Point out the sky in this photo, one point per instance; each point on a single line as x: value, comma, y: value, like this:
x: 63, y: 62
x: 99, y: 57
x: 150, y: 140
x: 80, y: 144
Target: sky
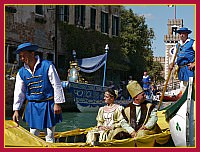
x: 157, y: 18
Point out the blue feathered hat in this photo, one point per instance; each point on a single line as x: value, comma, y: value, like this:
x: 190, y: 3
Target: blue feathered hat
x: 184, y: 29
x: 26, y: 47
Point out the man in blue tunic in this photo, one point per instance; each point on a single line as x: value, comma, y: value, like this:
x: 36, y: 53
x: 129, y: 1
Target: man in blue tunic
x: 38, y: 83
x: 185, y: 57
x: 146, y: 80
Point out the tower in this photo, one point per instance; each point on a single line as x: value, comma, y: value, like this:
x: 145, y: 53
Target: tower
x: 171, y: 40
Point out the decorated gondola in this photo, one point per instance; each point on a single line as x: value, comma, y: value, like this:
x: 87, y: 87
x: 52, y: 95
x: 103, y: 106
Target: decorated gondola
x: 20, y: 137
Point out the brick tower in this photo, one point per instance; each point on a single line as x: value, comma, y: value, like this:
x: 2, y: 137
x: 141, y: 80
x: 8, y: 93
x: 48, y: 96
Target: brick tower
x: 170, y: 41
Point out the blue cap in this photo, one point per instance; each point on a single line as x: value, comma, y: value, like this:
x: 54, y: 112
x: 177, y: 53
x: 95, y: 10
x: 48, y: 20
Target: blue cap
x: 184, y: 29
x: 26, y: 47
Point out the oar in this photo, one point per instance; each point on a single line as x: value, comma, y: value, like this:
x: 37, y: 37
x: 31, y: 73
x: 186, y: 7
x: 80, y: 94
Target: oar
x: 170, y: 71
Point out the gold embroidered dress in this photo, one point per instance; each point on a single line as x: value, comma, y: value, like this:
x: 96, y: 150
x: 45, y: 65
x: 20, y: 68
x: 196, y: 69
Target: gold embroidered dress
x: 108, y: 116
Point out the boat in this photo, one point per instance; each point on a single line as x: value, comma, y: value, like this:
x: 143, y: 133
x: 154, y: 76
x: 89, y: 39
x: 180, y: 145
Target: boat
x: 17, y: 136
x: 180, y: 116
x: 170, y: 98
x: 177, y: 130
x: 87, y: 97
x: 173, y: 95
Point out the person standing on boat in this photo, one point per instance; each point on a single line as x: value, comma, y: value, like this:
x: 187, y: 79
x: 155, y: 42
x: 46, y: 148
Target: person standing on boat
x: 146, y: 81
x: 185, y: 59
x: 140, y: 114
x: 109, y: 119
x: 38, y: 83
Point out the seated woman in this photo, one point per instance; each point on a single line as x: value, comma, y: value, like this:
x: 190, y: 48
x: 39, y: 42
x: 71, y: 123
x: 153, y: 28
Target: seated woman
x: 109, y: 120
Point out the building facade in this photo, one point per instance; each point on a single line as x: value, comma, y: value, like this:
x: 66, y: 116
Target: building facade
x: 38, y: 24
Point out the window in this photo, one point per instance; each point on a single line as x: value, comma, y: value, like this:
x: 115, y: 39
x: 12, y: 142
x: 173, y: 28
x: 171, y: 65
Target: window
x: 10, y: 54
x: 64, y: 13
x: 80, y: 15
x: 104, y: 22
x: 92, y: 18
x: 39, y: 9
x: 174, y: 30
x: 115, y: 25
x: 10, y: 9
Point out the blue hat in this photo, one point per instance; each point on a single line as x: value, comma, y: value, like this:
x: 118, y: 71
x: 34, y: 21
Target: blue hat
x: 184, y: 29
x: 26, y: 47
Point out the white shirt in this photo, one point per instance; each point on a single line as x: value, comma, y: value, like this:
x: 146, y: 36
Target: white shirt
x: 153, y: 116
x: 138, y: 112
x: 19, y: 92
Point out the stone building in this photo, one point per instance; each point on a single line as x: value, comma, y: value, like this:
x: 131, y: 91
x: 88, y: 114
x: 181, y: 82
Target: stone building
x: 38, y: 25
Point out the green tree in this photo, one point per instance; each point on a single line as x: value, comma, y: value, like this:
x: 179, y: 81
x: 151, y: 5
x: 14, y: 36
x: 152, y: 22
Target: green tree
x: 155, y: 72
x: 136, y: 42
x: 89, y: 43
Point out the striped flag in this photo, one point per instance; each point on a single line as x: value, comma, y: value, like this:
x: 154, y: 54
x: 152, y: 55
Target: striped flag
x: 170, y: 5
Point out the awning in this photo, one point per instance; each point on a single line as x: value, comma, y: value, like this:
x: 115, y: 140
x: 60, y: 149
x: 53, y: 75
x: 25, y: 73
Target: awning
x: 92, y: 64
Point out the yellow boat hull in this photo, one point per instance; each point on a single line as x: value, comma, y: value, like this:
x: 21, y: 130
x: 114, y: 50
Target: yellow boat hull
x: 20, y: 137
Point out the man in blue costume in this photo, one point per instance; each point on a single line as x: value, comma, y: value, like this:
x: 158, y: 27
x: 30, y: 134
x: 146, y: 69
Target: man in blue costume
x: 38, y: 83
x: 185, y: 57
x: 146, y: 80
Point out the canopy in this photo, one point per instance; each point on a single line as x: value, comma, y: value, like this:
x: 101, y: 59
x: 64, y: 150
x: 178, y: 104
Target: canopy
x: 92, y: 64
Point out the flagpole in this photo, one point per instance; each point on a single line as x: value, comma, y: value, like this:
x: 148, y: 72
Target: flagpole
x: 174, y: 11
x: 104, y: 74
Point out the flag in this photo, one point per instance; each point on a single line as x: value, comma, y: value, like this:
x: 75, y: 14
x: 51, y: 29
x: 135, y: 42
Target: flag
x: 170, y: 5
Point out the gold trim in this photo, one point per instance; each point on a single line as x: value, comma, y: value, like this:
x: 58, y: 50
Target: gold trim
x: 36, y: 87
x: 34, y: 82
x: 37, y: 76
x: 36, y: 92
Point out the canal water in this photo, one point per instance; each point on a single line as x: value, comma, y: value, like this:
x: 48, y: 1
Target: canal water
x: 74, y: 120
x: 71, y: 120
